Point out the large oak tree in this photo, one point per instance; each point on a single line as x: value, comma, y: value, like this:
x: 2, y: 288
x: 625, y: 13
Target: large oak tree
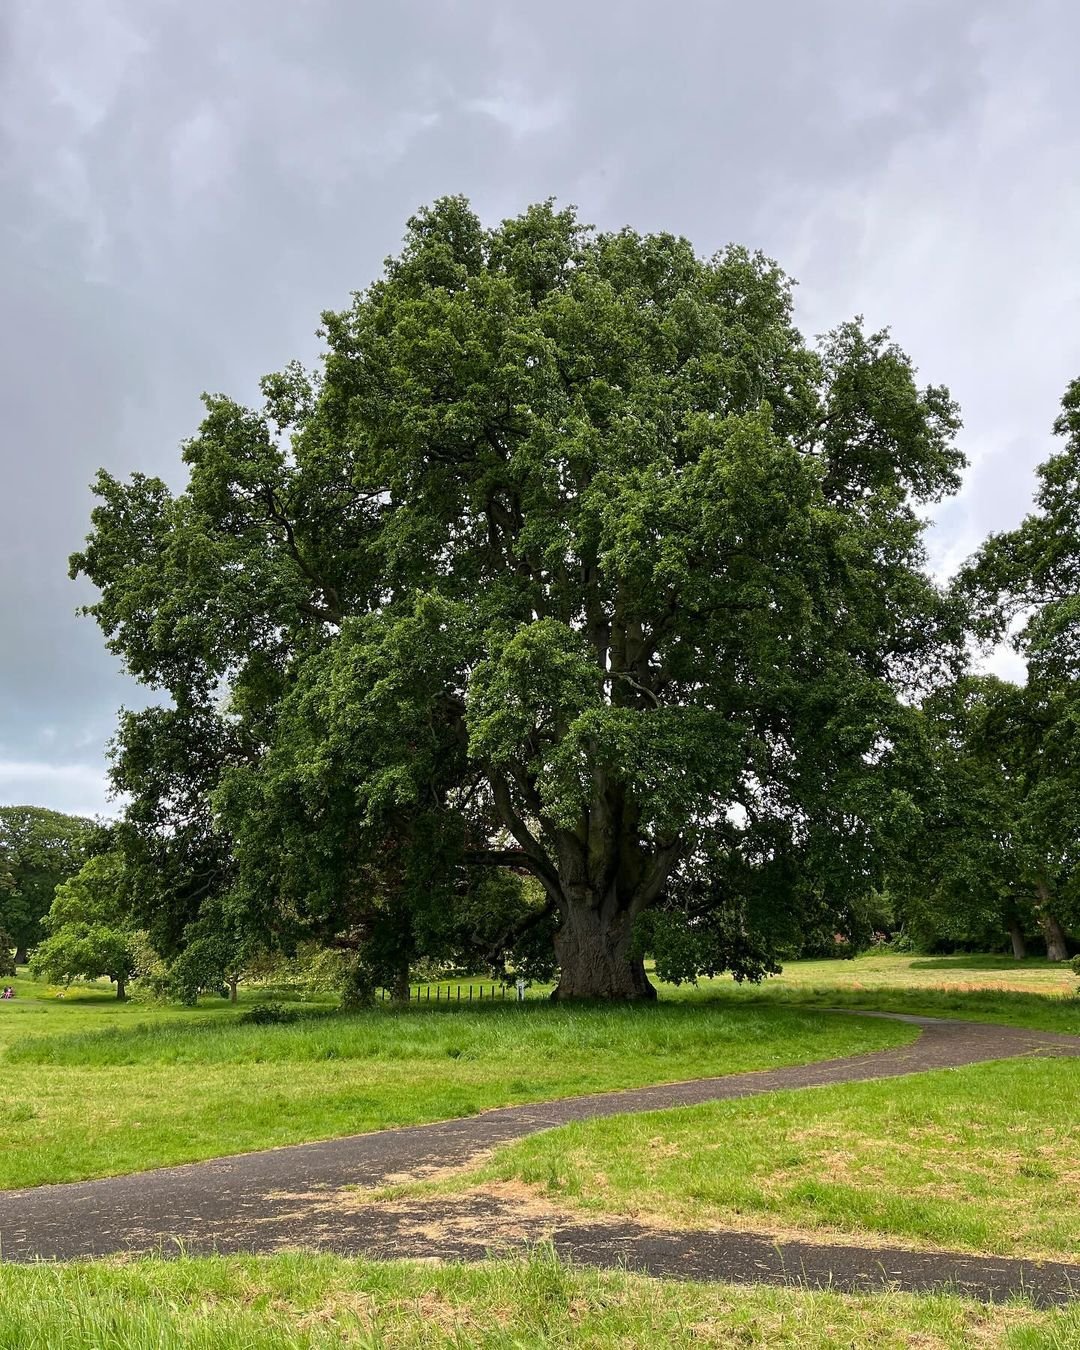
x: 573, y: 557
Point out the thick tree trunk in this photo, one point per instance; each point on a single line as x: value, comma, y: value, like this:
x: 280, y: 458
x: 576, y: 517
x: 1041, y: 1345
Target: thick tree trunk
x: 1057, y: 944
x: 232, y: 988
x: 600, y: 875
x: 1016, y: 936
x: 121, y: 989
x: 21, y: 956
x: 595, y: 957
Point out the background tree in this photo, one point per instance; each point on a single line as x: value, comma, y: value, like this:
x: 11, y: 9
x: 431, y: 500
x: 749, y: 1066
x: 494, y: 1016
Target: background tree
x: 7, y: 942
x: 7, y: 956
x: 1027, y: 581
x: 38, y: 850
x: 964, y: 876
x: 502, y: 923
x: 572, y: 550
x: 208, y: 963
x: 87, y: 936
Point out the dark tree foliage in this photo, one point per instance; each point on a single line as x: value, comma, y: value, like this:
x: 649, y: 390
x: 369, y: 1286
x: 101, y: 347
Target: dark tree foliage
x: 1027, y: 582
x: 7, y: 953
x: 86, y: 931
x: 574, y: 559
x: 974, y: 872
x: 1031, y: 575
x: 39, y: 849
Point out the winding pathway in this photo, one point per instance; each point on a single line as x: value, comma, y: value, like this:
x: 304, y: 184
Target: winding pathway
x: 310, y: 1195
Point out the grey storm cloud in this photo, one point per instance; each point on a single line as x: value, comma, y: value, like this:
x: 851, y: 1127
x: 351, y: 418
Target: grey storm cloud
x: 185, y: 186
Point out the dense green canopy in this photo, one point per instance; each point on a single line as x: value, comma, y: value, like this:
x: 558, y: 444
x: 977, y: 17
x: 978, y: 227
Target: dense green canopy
x: 976, y: 869
x: 573, y: 558
x: 87, y: 936
x: 1027, y: 582
x: 1028, y: 579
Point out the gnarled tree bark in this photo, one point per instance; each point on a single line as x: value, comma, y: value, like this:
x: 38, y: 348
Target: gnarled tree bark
x: 1057, y: 944
x: 594, y: 948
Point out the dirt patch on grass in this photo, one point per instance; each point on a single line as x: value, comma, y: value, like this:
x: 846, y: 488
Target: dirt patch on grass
x: 500, y: 1214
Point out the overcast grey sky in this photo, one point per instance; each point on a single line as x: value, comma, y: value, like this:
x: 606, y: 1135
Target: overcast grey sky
x: 185, y: 184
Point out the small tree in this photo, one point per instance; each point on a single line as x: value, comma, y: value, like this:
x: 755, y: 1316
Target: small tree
x: 87, y: 935
x: 217, y: 954
x: 86, y: 951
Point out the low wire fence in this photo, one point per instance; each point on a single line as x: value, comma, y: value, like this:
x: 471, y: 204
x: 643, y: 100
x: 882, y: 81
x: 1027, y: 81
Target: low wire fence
x: 452, y: 992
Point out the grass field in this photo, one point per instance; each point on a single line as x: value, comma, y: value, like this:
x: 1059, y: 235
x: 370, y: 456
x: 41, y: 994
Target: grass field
x: 303, y: 1302
x: 153, y: 1087
x: 963, y: 973
x: 1032, y: 993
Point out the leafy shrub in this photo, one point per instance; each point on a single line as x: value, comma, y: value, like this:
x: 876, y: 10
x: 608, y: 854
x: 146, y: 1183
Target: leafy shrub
x: 268, y: 1014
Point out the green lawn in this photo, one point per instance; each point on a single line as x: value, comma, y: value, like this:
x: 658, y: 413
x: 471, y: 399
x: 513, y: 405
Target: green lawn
x: 48, y: 1010
x: 303, y: 1302
x: 1032, y: 993
x: 153, y: 1087
x: 981, y: 1159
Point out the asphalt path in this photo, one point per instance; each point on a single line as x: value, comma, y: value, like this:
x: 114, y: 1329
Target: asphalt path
x: 312, y: 1195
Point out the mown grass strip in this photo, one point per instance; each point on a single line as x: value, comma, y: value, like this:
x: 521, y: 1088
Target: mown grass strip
x: 1033, y: 993
x: 305, y: 1302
